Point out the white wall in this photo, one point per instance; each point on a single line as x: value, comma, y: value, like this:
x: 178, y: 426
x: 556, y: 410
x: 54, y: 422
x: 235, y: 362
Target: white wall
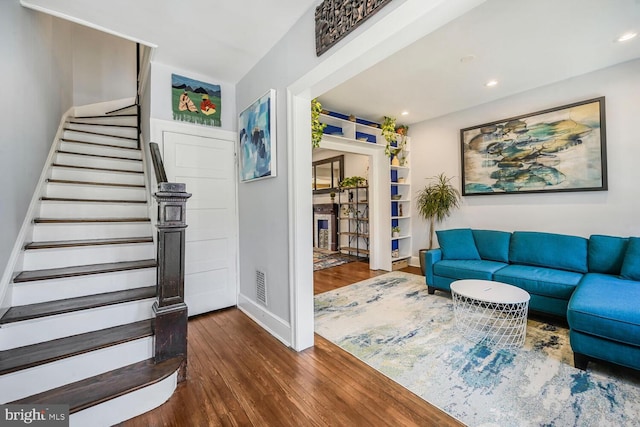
x: 104, y: 66
x: 436, y: 149
x: 270, y: 228
x: 36, y: 75
x: 161, y: 94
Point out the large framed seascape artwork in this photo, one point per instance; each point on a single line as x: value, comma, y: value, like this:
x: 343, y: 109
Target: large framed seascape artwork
x: 555, y: 150
x: 257, y: 138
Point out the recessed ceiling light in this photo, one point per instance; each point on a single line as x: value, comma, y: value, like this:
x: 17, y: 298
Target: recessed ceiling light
x: 405, y: 113
x: 626, y: 37
x: 491, y: 83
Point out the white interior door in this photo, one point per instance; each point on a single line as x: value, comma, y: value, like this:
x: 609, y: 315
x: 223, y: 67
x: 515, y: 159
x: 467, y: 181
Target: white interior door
x: 207, y: 166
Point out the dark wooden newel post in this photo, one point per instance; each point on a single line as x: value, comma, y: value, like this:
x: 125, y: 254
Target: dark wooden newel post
x: 170, y: 309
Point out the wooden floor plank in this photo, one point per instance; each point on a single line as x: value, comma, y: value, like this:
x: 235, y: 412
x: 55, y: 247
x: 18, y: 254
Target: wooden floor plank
x: 239, y: 374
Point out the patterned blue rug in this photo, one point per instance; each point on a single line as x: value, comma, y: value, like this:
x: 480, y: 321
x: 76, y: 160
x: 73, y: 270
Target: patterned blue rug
x: 393, y: 325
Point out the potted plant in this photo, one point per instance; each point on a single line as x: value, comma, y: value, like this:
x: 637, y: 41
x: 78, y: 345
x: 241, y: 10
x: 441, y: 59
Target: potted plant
x: 435, y: 202
x: 395, y: 231
x: 352, y: 181
x: 317, y: 128
x: 400, y: 151
x: 333, y: 196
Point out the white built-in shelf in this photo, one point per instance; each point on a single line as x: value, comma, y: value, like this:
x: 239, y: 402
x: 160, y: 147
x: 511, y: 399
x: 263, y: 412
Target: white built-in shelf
x: 408, y: 236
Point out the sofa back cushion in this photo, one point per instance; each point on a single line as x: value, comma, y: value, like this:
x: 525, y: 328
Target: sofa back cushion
x: 606, y: 254
x: 457, y: 244
x: 631, y: 264
x: 549, y: 250
x: 492, y: 245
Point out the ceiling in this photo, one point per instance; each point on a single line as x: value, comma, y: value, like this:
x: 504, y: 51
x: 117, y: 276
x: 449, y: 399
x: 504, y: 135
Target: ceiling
x: 221, y: 38
x: 523, y: 44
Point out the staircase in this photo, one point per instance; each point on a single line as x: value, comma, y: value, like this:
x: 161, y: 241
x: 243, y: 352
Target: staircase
x: 80, y: 330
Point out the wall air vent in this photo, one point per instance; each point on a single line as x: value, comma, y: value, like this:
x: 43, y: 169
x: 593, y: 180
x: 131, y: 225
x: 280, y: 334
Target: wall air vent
x: 261, y: 287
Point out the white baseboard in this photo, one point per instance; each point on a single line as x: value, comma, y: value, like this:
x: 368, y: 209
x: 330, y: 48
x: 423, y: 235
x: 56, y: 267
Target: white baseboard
x: 414, y: 261
x: 273, y: 324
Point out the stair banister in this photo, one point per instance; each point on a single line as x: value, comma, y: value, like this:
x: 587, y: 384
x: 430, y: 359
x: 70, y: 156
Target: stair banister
x: 169, y: 308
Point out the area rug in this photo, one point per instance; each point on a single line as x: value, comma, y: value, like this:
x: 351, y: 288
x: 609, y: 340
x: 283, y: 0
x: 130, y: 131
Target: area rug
x: 323, y: 258
x: 391, y: 323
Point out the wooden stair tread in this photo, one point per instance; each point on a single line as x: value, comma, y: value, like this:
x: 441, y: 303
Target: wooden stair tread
x: 128, y: 138
x: 16, y: 359
x: 81, y: 270
x: 87, y: 220
x: 104, y: 184
x: 110, y: 113
x: 43, y: 309
x: 91, y: 242
x: 68, y: 199
x: 60, y: 165
x: 102, y: 124
x: 76, y: 141
x: 104, y: 387
x: 73, y: 153
x: 105, y: 117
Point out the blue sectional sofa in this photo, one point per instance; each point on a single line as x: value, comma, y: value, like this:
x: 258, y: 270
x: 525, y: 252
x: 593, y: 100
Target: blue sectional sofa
x: 593, y: 283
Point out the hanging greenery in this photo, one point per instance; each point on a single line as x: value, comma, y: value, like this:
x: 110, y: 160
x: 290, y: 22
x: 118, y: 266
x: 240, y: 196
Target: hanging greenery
x: 389, y: 134
x: 317, y: 128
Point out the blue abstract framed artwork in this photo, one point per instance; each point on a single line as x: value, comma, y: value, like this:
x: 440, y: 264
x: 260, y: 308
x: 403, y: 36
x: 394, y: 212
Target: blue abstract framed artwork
x: 257, y: 137
x: 556, y: 150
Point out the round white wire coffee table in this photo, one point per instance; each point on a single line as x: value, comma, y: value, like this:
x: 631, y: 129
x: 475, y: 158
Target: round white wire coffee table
x: 490, y: 312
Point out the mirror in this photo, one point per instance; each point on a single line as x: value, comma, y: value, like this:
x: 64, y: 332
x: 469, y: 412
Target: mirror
x: 327, y: 174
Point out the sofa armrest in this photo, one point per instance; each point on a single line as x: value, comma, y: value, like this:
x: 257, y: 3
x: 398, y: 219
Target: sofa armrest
x: 430, y: 258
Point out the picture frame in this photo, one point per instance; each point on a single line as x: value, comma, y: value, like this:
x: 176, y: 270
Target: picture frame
x: 257, y: 139
x: 559, y: 149
x: 194, y: 101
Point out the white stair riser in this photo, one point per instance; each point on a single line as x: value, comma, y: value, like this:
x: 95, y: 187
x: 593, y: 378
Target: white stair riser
x: 130, y: 405
x: 39, y: 259
x: 49, y: 209
x: 49, y: 290
x: 95, y: 192
x: 72, y: 174
x: 48, y: 328
x: 77, y: 231
x: 99, y: 150
x: 99, y: 139
x: 98, y: 162
x: 35, y: 380
x: 110, y: 120
x: 109, y: 130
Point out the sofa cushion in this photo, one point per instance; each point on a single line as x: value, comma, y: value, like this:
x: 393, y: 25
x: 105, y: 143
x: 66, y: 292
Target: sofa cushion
x: 606, y: 306
x: 606, y: 254
x: 467, y: 269
x: 557, y: 251
x: 540, y: 280
x: 492, y: 245
x: 457, y: 244
x: 631, y: 264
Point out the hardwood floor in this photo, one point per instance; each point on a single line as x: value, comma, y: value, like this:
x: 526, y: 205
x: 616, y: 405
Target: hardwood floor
x: 238, y: 374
